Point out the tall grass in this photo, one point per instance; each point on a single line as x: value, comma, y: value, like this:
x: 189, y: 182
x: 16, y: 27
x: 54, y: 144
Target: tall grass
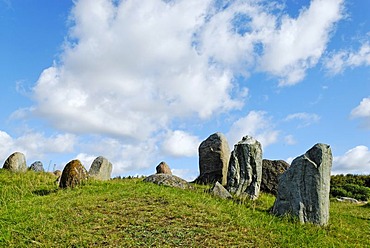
x: 131, y: 213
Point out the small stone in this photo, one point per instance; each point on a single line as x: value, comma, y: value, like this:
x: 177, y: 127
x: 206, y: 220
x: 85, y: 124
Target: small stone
x: 168, y: 180
x: 163, y: 168
x: 219, y: 191
x: 37, y: 166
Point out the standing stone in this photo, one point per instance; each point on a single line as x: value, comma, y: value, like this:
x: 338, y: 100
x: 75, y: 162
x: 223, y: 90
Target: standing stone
x: 163, y: 168
x: 16, y: 162
x: 303, y: 189
x: 37, y: 167
x: 101, y: 169
x: 214, y: 155
x: 271, y: 171
x: 74, y: 173
x: 245, y: 168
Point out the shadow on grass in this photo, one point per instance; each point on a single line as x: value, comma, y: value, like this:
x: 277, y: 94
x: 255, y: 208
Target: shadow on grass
x: 43, y: 192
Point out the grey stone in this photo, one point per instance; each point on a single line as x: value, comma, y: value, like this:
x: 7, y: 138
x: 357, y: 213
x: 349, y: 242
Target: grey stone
x: 303, y: 190
x: 74, y: 173
x: 163, y: 168
x: 101, y: 169
x: 214, y: 155
x: 245, y: 168
x: 271, y: 170
x: 16, y: 162
x: 219, y: 191
x: 347, y: 199
x: 168, y: 180
x: 37, y: 166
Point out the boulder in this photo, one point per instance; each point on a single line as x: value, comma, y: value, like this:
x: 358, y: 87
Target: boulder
x: 16, y: 162
x: 163, y: 168
x: 101, y: 169
x: 219, y: 191
x: 74, y: 173
x: 168, y: 180
x: 271, y: 171
x: 37, y: 166
x: 303, y: 189
x: 214, y: 155
x: 245, y: 168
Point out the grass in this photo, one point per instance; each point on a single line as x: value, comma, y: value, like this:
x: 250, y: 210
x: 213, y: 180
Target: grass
x: 131, y: 213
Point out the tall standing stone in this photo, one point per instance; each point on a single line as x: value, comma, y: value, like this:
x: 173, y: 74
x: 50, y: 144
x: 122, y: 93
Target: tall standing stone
x: 303, y: 189
x: 214, y: 154
x: 16, y: 162
x: 245, y: 168
x: 101, y: 169
x: 271, y: 171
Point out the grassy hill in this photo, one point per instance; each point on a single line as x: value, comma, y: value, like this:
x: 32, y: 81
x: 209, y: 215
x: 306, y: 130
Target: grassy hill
x: 131, y: 213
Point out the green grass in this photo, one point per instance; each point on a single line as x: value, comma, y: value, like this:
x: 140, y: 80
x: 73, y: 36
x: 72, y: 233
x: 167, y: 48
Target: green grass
x: 131, y: 213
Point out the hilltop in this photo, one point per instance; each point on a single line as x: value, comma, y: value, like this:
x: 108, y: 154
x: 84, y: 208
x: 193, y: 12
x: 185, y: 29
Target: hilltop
x: 132, y: 213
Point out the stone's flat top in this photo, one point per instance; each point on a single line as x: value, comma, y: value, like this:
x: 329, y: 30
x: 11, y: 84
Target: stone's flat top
x: 248, y: 140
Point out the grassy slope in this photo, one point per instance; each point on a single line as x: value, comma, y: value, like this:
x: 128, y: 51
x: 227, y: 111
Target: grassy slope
x: 131, y: 213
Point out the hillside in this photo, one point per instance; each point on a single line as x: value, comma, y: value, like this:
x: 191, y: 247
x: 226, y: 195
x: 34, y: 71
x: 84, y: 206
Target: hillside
x: 131, y: 213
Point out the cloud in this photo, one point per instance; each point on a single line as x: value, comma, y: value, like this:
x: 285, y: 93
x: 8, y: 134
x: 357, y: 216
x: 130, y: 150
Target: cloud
x: 125, y: 157
x: 129, y: 70
x: 354, y: 161
x: 36, y: 145
x: 363, y: 111
x: 297, y: 44
x: 256, y: 124
x: 180, y: 144
x: 337, y: 62
x: 122, y: 74
x: 306, y: 119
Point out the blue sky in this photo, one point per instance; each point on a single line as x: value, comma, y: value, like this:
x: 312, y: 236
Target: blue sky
x: 141, y: 82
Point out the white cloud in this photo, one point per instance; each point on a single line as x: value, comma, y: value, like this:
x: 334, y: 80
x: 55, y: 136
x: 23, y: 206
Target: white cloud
x: 298, y: 43
x: 130, y: 69
x: 86, y: 159
x: 256, y: 124
x: 124, y: 156
x: 363, y: 111
x: 339, y: 61
x: 306, y: 119
x: 289, y: 160
x: 354, y: 161
x: 36, y: 145
x: 180, y: 144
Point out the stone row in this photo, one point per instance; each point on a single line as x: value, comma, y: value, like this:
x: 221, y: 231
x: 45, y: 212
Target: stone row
x: 74, y: 172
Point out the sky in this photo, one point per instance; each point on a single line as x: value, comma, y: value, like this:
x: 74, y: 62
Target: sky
x: 140, y: 82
